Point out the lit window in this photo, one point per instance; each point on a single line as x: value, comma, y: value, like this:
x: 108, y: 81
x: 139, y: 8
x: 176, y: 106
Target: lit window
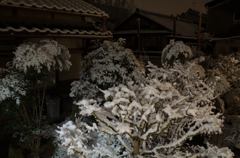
x: 237, y: 15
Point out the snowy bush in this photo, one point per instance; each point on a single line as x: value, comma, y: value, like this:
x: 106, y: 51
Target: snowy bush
x: 108, y: 66
x: 151, y: 119
x: 12, y: 86
x: 228, y: 66
x: 39, y: 56
x: 175, y: 51
x: 233, y: 139
x: 229, y: 69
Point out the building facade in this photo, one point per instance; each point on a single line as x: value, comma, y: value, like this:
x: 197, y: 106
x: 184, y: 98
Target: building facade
x: 23, y: 21
x: 224, y: 22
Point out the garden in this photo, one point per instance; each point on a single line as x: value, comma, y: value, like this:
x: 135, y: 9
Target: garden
x: 125, y: 108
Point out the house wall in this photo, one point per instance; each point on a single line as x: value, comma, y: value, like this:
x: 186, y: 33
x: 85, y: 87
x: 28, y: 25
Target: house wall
x: 153, y: 42
x: 33, y: 14
x: 145, y: 24
x: 227, y: 46
x: 220, y: 19
x: 74, y: 46
x: 7, y: 47
x: 5, y: 12
x: 21, y: 15
x: 149, y: 41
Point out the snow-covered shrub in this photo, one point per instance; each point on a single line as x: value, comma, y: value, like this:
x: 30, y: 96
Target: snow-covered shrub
x: 233, y: 139
x: 222, y: 85
x: 46, y: 55
x: 12, y: 86
x: 151, y: 119
x: 175, y: 51
x: 228, y: 67
x: 108, y: 66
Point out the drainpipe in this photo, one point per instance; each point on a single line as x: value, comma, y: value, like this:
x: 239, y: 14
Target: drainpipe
x: 199, y: 31
x: 139, y: 40
x: 207, y: 19
x: 174, y: 19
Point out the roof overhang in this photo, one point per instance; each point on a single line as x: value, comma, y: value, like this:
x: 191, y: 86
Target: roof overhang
x: 224, y: 38
x: 142, y: 32
x: 55, y: 36
x: 213, y: 3
x: 183, y: 37
x: 53, y: 11
x: 35, y: 32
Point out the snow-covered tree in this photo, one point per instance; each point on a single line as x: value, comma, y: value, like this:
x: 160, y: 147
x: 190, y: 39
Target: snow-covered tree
x: 108, y: 66
x: 41, y: 58
x: 105, y: 67
x: 151, y: 119
x: 32, y: 66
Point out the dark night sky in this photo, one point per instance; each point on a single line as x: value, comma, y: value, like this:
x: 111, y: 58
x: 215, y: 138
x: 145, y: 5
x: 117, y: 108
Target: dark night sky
x: 171, y: 6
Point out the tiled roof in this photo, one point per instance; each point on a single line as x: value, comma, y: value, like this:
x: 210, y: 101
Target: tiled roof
x: 53, y: 31
x: 193, y: 16
x: 78, y: 6
x: 213, y: 3
x: 37, y: 29
x: 183, y: 28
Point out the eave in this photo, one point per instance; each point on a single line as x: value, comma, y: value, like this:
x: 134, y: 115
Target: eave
x: 53, y: 11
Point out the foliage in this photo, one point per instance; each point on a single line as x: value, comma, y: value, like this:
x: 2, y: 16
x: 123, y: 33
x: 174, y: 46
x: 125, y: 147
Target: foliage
x: 108, y: 66
x: 153, y: 118
x: 205, y: 44
x: 175, y: 51
x: 228, y: 68
x: 233, y: 140
x: 39, y: 56
x: 31, y: 67
x: 11, y: 86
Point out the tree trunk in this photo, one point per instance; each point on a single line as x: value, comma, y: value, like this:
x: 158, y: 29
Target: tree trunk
x: 136, y: 147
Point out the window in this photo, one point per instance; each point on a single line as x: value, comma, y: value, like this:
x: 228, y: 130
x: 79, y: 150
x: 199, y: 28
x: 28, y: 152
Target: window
x: 237, y: 15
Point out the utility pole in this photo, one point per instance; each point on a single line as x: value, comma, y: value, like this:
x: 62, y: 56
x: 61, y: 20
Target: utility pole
x: 194, y: 4
x: 199, y: 31
x: 139, y: 40
x: 174, y: 19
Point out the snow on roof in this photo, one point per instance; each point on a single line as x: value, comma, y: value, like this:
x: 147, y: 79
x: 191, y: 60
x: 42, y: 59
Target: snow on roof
x: 78, y: 6
x: 53, y: 31
x: 141, y: 31
x: 182, y: 27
